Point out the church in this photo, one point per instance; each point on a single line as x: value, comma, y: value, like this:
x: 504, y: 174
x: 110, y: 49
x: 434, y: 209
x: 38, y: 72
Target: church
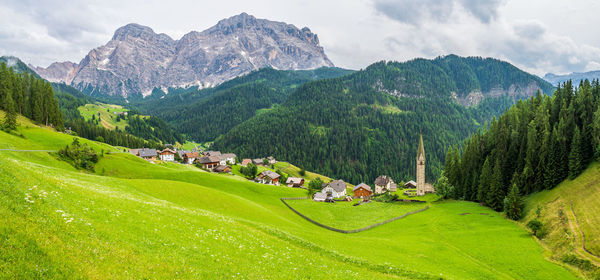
x: 422, y: 187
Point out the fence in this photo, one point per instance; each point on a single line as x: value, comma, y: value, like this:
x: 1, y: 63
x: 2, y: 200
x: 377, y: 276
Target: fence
x: 283, y: 199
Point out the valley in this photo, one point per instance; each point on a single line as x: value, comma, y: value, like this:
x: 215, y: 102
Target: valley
x: 121, y: 224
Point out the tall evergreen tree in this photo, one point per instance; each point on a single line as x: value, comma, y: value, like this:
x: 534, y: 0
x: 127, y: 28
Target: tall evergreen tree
x: 576, y: 164
x: 484, y: 181
x: 513, y: 204
x: 495, y: 195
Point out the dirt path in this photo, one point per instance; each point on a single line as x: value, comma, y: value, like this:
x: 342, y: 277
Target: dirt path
x: 575, y: 228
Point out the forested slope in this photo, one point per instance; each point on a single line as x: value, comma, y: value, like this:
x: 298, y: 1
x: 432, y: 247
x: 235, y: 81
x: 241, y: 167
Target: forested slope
x: 366, y: 124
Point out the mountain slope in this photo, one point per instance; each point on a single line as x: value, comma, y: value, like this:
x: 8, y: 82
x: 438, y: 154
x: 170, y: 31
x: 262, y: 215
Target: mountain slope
x: 208, y: 113
x: 367, y: 124
x: 136, y: 60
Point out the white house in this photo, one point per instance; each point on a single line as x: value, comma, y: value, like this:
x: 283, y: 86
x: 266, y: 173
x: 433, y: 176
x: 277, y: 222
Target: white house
x: 227, y: 159
x: 167, y: 155
x: 336, y: 188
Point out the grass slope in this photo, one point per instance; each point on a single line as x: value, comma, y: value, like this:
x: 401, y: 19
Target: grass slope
x: 580, y: 199
x: 108, y: 118
x: 145, y: 220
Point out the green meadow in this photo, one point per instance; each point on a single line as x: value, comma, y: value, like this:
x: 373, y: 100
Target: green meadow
x: 134, y: 219
x: 106, y: 113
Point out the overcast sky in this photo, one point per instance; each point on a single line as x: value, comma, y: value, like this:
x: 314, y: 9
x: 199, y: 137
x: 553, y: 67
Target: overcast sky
x: 539, y: 36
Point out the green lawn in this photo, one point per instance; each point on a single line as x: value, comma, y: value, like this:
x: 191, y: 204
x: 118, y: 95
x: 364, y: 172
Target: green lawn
x: 344, y: 215
x: 106, y: 113
x: 144, y: 220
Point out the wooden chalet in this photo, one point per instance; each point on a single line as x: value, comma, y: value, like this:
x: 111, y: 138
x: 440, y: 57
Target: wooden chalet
x: 167, y: 155
x: 268, y: 177
x: 147, y: 154
x: 222, y: 169
x: 410, y: 185
x: 190, y: 157
x: 246, y: 161
x: 209, y: 162
x: 362, y: 190
x: 295, y: 182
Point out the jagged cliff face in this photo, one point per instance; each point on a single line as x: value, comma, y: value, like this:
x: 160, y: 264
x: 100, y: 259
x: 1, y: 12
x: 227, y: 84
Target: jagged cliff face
x: 57, y: 72
x: 137, y: 60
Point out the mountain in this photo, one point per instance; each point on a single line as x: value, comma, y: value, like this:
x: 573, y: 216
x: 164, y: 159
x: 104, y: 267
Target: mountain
x: 18, y: 65
x: 57, y: 72
x: 575, y: 77
x: 366, y: 124
x: 137, y: 60
x: 205, y: 114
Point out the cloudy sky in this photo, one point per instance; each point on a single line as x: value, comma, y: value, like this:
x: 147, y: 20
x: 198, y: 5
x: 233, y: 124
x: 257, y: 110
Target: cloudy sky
x: 539, y: 36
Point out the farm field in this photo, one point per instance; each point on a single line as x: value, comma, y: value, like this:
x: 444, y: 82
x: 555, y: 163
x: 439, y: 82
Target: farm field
x: 106, y: 114
x: 143, y: 220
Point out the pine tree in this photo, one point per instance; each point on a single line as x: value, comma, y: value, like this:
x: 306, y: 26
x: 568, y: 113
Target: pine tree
x: 10, y: 122
x: 484, y: 181
x: 576, y: 164
x: 495, y: 195
x: 513, y: 204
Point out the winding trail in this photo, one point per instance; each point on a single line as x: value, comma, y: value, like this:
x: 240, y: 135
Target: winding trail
x: 578, y: 231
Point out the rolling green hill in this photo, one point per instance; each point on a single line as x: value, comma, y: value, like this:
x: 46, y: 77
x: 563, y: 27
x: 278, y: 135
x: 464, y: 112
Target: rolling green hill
x: 366, y: 124
x: 133, y: 219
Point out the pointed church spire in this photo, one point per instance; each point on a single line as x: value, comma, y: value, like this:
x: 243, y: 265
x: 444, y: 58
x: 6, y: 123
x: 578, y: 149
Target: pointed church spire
x: 421, y: 148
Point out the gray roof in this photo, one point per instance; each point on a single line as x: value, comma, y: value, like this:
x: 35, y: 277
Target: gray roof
x: 383, y: 180
x: 212, y: 153
x: 209, y: 159
x: 182, y: 152
x: 270, y: 174
x: 220, y: 168
x: 145, y: 152
x: 257, y: 161
x: 338, y: 185
x: 364, y: 186
x: 230, y: 155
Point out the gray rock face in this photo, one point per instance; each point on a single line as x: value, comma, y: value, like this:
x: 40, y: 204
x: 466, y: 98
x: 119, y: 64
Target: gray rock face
x: 57, y: 72
x: 137, y: 60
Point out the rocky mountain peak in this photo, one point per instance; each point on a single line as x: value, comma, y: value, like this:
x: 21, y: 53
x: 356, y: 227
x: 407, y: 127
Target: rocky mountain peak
x: 138, y: 60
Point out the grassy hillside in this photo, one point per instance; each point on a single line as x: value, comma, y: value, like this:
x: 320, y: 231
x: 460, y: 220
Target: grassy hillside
x: 568, y: 211
x: 143, y: 220
x: 105, y: 113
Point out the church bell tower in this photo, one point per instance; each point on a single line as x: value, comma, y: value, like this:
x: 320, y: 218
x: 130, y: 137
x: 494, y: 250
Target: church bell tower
x: 421, y: 167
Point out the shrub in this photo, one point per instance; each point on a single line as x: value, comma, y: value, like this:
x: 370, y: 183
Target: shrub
x: 249, y: 171
x: 315, y: 186
x: 578, y: 262
x: 537, y: 228
x: 80, y: 156
x: 443, y: 188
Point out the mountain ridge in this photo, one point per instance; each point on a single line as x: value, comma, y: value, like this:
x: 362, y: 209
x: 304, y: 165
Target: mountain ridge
x: 137, y: 60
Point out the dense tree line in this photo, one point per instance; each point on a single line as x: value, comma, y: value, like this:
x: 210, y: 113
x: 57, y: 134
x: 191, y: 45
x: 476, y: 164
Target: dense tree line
x: 23, y: 94
x: 534, y: 145
x: 151, y: 128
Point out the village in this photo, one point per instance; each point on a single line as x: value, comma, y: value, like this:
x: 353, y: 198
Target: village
x: 335, y: 190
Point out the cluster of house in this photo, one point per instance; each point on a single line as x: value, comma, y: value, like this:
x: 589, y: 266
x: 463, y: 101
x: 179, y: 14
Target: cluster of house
x: 211, y: 160
x: 259, y: 161
x: 337, y: 189
x: 269, y: 177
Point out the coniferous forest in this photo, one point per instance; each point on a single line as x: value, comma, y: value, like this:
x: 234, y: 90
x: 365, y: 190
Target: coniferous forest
x: 29, y: 96
x: 535, y: 145
x: 366, y: 124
